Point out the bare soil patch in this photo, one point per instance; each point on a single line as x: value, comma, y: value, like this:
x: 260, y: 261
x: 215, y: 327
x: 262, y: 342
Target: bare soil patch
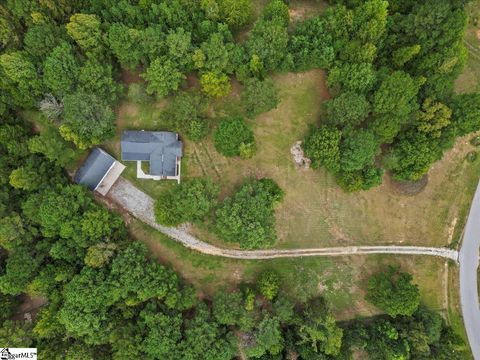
x: 130, y: 77
x: 408, y: 188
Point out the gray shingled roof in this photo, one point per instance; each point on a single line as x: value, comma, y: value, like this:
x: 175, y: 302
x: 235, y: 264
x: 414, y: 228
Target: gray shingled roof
x: 94, y: 169
x: 160, y: 148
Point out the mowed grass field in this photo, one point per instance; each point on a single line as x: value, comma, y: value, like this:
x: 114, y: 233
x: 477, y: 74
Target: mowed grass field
x: 315, y: 211
x: 469, y: 81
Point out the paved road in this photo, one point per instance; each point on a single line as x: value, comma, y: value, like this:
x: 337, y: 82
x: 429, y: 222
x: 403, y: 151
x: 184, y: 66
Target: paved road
x: 140, y: 205
x: 469, y: 253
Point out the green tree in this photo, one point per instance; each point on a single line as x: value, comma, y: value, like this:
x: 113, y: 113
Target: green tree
x: 20, y: 269
x: 259, y: 96
x: 85, y: 309
x: 268, y: 338
x: 466, y: 112
x: 370, y: 20
x: 52, y: 146
x: 61, y: 70
x: 41, y: 39
x: 87, y: 120
x: 363, y: 179
x: 215, y: 84
x: 358, y: 150
x: 98, y: 79
x: 21, y: 77
x: 178, y: 43
x: 276, y: 10
x: 100, y: 254
x: 163, y: 77
x: 311, y: 45
x: 205, y: 339
x: 215, y: 54
x: 192, y: 200
x: 228, y: 307
x: 322, y: 147
x: 347, y: 109
x: 433, y: 117
x: 268, y: 40
x: 405, y: 54
x: 8, y: 304
x: 124, y: 43
x: 231, y: 134
x: 393, y: 292
x: 268, y: 284
x: 248, y: 216
x: 235, y: 13
x: 85, y: 30
x: 393, y: 104
x: 187, y: 114
x: 318, y: 328
x: 25, y: 178
x: 16, y: 334
x: 13, y: 232
x: 359, y: 77
x: 133, y: 279
x: 411, y: 156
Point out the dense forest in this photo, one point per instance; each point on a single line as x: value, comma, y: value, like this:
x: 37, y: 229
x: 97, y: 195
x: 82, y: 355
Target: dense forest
x: 391, y: 67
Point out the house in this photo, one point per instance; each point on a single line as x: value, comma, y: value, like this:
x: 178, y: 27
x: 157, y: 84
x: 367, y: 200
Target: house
x: 99, y: 172
x: 160, y: 149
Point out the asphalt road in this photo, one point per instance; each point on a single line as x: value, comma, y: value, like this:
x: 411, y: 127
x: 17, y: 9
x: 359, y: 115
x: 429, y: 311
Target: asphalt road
x: 468, y: 258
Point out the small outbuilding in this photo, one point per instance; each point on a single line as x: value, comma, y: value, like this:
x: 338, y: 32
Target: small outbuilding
x: 99, y: 172
x: 161, y: 149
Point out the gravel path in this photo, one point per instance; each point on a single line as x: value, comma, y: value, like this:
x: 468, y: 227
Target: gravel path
x: 140, y: 205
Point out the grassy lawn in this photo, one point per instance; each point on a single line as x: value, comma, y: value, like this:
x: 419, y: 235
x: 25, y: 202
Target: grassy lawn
x: 469, y: 80
x: 341, y: 280
x: 316, y: 212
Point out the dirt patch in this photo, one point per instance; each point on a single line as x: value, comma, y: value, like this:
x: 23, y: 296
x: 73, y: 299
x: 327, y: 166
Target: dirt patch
x: 408, y: 188
x: 192, y: 81
x: 131, y: 77
x: 29, y: 307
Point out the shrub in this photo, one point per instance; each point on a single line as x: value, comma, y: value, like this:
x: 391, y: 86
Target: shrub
x: 215, y: 85
x: 231, y: 134
x: 247, y: 151
x: 259, y: 96
x: 393, y: 292
x: 475, y: 141
x: 137, y: 93
x: 472, y: 156
x: 192, y: 200
x: 268, y: 284
x: 187, y: 114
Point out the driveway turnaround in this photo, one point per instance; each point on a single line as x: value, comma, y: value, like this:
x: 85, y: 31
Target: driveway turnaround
x: 140, y: 205
x: 468, y: 276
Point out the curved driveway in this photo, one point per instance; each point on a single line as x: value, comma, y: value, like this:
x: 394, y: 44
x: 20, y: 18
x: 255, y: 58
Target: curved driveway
x: 140, y: 205
x: 469, y: 253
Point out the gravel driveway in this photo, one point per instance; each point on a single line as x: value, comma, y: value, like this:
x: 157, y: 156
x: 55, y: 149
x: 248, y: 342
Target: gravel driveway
x: 140, y: 205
